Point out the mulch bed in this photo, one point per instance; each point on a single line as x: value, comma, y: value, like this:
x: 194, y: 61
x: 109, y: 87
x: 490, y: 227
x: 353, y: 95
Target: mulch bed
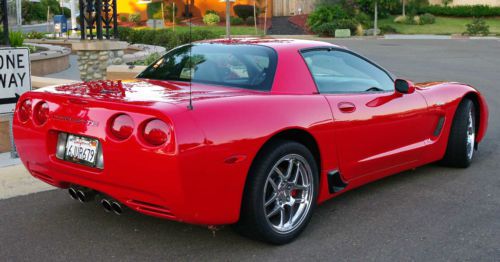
x: 300, y: 21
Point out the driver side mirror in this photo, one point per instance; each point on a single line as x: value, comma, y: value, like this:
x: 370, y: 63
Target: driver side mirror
x: 404, y: 86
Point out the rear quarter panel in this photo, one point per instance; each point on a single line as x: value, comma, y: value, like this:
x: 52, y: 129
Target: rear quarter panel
x: 240, y: 126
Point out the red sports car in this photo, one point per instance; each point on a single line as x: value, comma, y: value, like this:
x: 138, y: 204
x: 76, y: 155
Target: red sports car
x: 248, y: 132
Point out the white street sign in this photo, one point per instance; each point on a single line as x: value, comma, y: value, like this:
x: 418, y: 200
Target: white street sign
x: 15, y: 77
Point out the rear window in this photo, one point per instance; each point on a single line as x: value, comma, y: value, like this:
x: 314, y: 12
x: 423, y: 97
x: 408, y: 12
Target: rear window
x: 240, y: 66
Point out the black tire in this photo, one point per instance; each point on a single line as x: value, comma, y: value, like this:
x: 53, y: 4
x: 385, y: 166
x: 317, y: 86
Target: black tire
x: 457, y: 152
x: 253, y: 220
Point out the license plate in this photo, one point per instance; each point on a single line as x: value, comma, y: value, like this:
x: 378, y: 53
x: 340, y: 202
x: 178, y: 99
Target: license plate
x: 81, y: 150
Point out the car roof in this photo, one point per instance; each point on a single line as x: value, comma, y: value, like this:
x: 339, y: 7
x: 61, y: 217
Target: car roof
x: 275, y: 43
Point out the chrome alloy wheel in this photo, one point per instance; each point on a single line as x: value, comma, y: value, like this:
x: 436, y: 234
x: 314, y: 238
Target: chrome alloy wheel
x: 471, y: 136
x: 288, y: 193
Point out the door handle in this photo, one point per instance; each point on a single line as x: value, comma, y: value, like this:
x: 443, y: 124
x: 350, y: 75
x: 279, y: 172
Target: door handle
x: 346, y: 107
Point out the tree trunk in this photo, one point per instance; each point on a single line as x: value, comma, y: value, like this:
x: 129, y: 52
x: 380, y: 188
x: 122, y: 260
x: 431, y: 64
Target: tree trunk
x: 375, y: 26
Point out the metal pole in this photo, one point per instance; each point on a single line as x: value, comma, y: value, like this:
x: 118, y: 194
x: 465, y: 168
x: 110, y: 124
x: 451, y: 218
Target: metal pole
x: 82, y: 20
x: 5, y: 19
x: 19, y: 18
x: 173, y: 16
x: 255, y: 16
x: 13, y: 151
x: 73, y: 17
x: 376, y: 19
x: 228, y: 19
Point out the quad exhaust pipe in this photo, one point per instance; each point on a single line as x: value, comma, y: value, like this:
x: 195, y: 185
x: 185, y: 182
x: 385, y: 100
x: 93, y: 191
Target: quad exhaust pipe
x: 85, y: 195
x: 82, y: 194
x: 112, y: 206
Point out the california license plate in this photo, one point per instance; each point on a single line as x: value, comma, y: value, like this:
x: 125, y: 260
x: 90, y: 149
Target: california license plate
x: 81, y: 150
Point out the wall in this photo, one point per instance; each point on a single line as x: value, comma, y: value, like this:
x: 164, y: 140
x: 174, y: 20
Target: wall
x: 468, y: 2
x: 199, y: 7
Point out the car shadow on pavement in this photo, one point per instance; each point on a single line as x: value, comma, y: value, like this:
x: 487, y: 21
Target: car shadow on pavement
x: 52, y: 223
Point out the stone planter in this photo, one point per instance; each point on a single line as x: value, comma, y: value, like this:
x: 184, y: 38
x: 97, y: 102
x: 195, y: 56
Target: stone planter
x: 95, y: 56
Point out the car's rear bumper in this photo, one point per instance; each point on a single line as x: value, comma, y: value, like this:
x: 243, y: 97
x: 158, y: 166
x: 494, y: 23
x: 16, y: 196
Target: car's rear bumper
x: 187, y: 182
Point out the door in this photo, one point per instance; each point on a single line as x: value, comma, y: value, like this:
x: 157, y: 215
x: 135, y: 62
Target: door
x: 376, y: 129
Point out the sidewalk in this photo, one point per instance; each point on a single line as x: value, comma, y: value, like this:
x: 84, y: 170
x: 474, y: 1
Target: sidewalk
x: 15, y: 179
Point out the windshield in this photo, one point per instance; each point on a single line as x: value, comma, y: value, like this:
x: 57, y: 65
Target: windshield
x: 240, y: 66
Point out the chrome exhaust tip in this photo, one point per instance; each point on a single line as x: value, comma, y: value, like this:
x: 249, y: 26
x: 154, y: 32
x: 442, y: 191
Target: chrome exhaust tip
x: 85, y: 195
x: 117, y: 208
x: 72, y: 193
x: 106, y: 205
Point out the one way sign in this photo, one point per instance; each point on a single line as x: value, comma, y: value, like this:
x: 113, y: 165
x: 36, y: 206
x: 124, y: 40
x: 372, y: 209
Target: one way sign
x: 15, y: 77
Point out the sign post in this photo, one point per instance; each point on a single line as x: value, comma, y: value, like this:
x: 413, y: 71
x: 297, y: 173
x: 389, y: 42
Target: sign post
x: 15, y: 80
x: 5, y: 21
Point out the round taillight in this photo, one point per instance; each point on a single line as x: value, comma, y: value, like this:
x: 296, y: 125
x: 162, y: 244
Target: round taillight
x: 25, y: 111
x: 122, y: 127
x: 156, y: 132
x: 41, y: 113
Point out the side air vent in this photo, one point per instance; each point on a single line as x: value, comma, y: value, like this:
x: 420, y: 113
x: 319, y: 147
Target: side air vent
x: 335, y: 182
x: 439, y: 126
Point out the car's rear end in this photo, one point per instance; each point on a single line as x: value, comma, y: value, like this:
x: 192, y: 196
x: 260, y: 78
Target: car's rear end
x: 98, y: 138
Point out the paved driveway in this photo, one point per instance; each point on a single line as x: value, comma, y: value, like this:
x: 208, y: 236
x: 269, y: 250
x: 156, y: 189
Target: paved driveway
x: 429, y: 214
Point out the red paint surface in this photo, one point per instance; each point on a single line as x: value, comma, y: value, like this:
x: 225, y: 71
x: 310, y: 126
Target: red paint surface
x: 199, y: 175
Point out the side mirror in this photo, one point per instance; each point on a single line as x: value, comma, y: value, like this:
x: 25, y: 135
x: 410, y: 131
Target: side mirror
x: 404, y: 86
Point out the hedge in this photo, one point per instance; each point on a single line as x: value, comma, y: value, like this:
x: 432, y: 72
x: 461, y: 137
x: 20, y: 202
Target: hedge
x: 162, y: 37
x: 462, y: 10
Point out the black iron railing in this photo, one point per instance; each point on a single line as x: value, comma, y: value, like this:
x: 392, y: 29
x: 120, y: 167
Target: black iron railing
x: 4, y: 19
x: 96, y: 15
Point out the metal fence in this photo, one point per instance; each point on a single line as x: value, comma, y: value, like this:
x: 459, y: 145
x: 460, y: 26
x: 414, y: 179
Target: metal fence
x: 96, y: 16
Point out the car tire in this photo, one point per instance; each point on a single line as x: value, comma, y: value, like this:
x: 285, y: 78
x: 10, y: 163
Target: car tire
x: 461, y: 142
x: 280, y: 193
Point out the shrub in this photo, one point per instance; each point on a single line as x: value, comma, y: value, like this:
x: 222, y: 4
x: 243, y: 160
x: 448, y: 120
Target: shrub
x: 124, y: 33
x: 250, y: 20
x: 210, y: 11
x: 415, y: 7
x: 325, y: 14
x: 162, y: 37
x: 427, y: 19
x: 211, y: 19
x: 152, y: 9
x: 34, y: 35
x: 16, y: 39
x: 149, y: 59
x: 385, y: 7
x: 463, y: 11
x: 66, y: 12
x: 243, y: 11
x: 123, y: 18
x: 135, y: 18
x: 328, y: 29
x: 170, y: 12
x: 400, y: 19
x: 236, y: 20
x: 33, y: 11
x: 387, y: 29
x: 364, y: 19
x: 478, y: 27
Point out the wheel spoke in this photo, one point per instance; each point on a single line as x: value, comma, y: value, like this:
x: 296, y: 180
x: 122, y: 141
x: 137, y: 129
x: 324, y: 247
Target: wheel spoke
x: 273, y: 184
x: 275, y: 211
x: 278, y: 171
x: 271, y: 200
x: 290, y: 216
x: 301, y: 187
x: 282, y: 217
x: 297, y: 172
x: 289, y: 170
x: 299, y: 200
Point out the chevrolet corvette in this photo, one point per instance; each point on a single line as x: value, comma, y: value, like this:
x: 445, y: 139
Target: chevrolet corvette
x: 248, y: 132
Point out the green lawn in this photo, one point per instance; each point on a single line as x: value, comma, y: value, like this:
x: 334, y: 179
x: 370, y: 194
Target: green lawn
x: 443, y: 26
x: 221, y: 30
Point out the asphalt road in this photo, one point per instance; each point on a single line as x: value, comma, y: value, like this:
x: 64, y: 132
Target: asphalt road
x: 429, y: 214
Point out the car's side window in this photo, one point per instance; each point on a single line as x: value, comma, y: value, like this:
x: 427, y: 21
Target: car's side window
x: 337, y: 71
